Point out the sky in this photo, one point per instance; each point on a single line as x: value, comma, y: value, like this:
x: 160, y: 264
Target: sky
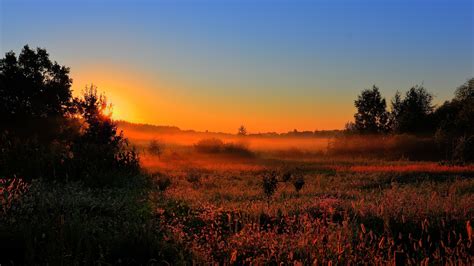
x: 272, y: 66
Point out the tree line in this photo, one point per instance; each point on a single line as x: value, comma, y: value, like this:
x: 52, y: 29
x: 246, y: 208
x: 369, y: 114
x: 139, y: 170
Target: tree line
x: 451, y: 124
x: 45, y: 132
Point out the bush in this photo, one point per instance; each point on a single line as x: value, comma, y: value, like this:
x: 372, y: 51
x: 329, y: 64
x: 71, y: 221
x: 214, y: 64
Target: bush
x: 238, y: 150
x: 298, y: 183
x: 155, y: 148
x: 100, y: 155
x: 464, y: 149
x: 270, y: 183
x: 286, y: 176
x: 385, y: 146
x: 163, y: 183
x: 193, y: 176
x: 212, y: 145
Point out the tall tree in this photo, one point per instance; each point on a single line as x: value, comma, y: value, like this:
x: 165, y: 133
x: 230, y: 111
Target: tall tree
x: 34, y: 92
x: 33, y: 86
x: 412, y: 114
x: 371, y: 116
x: 455, y: 124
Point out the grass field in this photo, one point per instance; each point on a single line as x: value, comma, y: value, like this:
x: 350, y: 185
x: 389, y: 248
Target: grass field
x: 347, y: 211
x: 189, y: 207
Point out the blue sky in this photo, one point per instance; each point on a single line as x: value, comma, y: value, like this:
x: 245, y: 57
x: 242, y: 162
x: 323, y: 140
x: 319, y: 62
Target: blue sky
x: 273, y: 65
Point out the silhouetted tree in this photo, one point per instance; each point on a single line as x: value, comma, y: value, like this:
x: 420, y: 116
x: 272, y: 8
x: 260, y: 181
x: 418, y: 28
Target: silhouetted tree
x: 35, y: 93
x: 44, y: 133
x: 455, y: 124
x: 36, y: 107
x: 412, y: 114
x: 465, y: 92
x: 269, y: 184
x: 242, y: 131
x: 371, y: 116
x: 100, y: 148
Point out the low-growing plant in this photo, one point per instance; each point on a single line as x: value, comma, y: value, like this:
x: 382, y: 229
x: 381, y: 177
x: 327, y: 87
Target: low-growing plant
x: 71, y: 224
x: 286, y: 176
x: 269, y: 183
x: 193, y: 177
x: 211, y: 145
x: 155, y: 148
x: 298, y: 183
x: 163, y: 182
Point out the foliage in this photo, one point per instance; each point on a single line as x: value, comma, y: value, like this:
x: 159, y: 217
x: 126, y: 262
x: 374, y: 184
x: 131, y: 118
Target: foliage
x: 51, y: 223
x: 242, y: 131
x: 162, y: 183
x: 343, y: 218
x: 390, y: 147
x: 47, y: 134
x: 411, y: 114
x: 464, y: 149
x: 298, y: 183
x: 269, y: 183
x: 33, y: 87
x: 155, y: 148
x: 99, y: 149
x: 371, y: 116
x: 465, y: 91
x: 217, y: 146
x: 211, y: 145
x: 455, y: 124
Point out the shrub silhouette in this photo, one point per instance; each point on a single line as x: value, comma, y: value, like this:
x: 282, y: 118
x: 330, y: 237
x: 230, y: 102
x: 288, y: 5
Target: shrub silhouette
x: 211, y: 145
x: 298, y: 183
x: 286, y: 176
x: 100, y: 148
x: 242, y: 131
x: 214, y: 146
x: 269, y: 183
x: 163, y: 183
x: 155, y: 148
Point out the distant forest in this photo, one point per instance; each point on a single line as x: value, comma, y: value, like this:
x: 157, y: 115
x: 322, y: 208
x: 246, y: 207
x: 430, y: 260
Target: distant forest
x: 176, y: 130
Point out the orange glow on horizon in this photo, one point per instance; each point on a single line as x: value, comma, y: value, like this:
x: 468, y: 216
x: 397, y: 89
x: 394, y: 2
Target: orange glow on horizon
x: 141, y: 97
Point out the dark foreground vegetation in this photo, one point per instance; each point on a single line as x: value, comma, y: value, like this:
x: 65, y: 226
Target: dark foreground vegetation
x: 72, y: 190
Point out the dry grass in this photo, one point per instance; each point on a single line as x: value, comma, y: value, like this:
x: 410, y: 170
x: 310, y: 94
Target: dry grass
x: 347, y: 212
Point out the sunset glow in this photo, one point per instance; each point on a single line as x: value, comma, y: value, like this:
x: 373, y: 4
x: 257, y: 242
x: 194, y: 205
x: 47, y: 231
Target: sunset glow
x: 276, y: 67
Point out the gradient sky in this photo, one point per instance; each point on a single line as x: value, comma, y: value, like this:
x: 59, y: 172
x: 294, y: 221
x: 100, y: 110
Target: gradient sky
x: 270, y: 65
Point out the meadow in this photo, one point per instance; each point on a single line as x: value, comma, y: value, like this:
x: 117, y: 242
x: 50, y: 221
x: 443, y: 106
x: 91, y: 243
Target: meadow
x: 79, y: 188
x: 279, y: 208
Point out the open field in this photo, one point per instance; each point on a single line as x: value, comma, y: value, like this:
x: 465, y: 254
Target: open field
x: 347, y: 211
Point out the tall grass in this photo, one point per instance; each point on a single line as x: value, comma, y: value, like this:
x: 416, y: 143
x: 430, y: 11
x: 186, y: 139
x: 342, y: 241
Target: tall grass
x: 70, y: 224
